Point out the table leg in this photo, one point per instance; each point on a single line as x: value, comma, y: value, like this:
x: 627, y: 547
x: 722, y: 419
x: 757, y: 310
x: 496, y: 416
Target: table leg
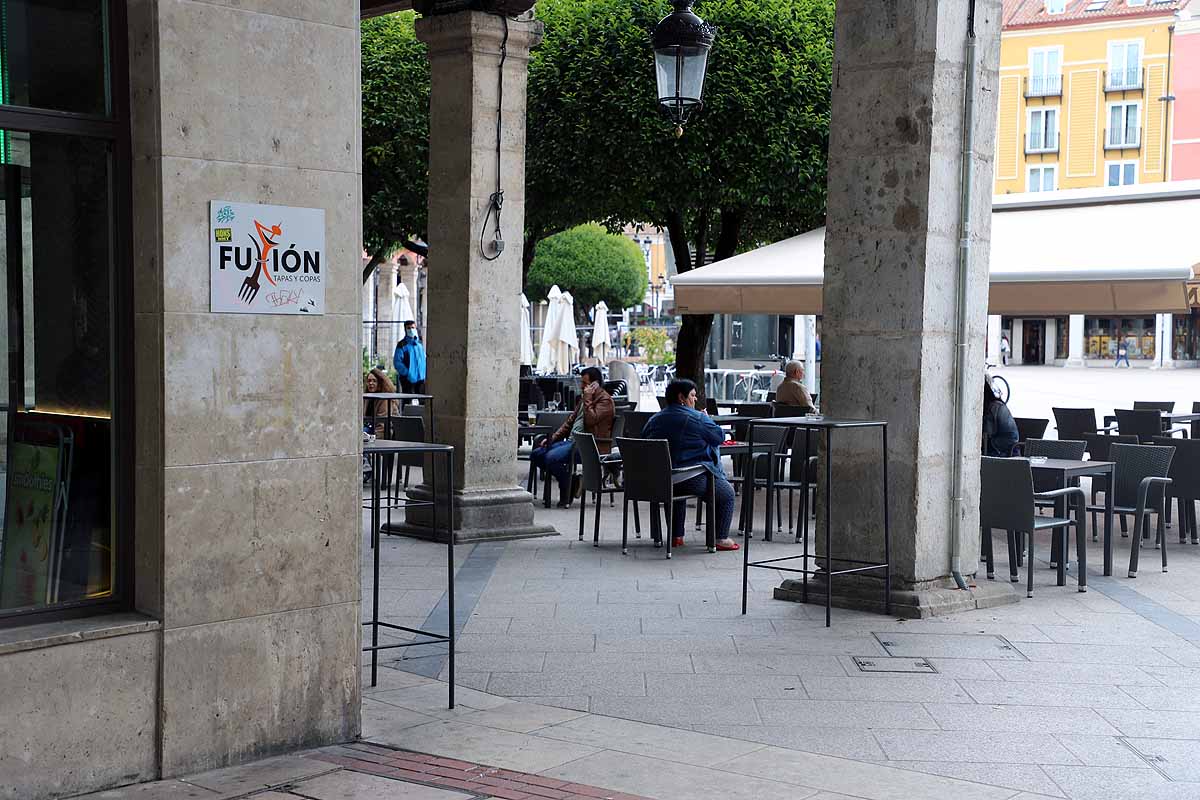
x: 375, y: 477
x: 449, y: 562
x: 887, y: 534
x: 1108, y: 526
x: 805, y: 511
x: 828, y: 529
x: 768, y: 521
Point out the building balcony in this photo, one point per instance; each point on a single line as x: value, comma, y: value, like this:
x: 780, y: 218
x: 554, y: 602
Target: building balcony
x: 1043, y: 86
x: 1041, y: 143
x: 1123, y: 80
x: 1123, y: 139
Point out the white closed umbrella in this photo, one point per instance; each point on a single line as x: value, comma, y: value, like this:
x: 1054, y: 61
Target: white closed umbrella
x: 601, y: 346
x: 526, y: 333
x: 401, y: 308
x: 548, y: 352
x: 568, y: 336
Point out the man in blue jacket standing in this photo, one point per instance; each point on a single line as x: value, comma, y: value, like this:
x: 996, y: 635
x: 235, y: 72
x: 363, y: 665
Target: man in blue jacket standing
x: 409, y: 361
x: 694, y: 439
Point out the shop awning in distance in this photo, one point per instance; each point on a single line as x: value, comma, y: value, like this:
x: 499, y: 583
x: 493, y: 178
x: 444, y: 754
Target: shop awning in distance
x: 1082, y: 251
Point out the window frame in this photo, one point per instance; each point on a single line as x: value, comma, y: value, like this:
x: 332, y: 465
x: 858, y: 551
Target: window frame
x: 1109, y: 144
x: 1041, y: 168
x: 1125, y: 44
x: 1122, y: 163
x: 114, y: 129
x: 1056, y: 6
x: 1045, y: 112
x: 1033, y: 75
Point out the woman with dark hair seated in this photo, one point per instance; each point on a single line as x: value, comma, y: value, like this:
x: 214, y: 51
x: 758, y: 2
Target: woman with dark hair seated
x: 694, y: 440
x: 1000, y: 433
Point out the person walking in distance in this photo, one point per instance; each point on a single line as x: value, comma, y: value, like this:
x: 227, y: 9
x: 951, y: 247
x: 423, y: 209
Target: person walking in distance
x: 1122, y: 353
x: 1005, y: 348
x: 409, y: 361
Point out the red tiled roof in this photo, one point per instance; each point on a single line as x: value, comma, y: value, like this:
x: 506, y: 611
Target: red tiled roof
x: 1032, y: 13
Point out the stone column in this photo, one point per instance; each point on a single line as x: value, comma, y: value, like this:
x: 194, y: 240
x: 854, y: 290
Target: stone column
x: 473, y: 357
x: 1018, y: 342
x: 386, y: 332
x: 891, y: 261
x: 994, y: 333
x: 1050, y: 340
x: 1164, y: 358
x: 247, y: 428
x: 1075, y: 337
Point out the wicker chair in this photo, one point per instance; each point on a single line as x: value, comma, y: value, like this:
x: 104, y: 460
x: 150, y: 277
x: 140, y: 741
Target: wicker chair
x: 1073, y: 423
x: 592, y: 481
x: 1185, y: 483
x: 650, y: 478
x: 1140, y: 475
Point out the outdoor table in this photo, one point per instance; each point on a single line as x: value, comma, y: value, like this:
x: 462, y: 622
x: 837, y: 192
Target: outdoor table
x: 828, y: 425
x: 1069, y: 470
x: 1183, y: 417
x: 731, y: 419
x: 375, y: 451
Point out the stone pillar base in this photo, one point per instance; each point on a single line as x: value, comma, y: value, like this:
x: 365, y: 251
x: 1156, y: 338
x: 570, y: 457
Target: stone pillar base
x: 931, y: 599
x: 480, y: 515
x: 1075, y: 362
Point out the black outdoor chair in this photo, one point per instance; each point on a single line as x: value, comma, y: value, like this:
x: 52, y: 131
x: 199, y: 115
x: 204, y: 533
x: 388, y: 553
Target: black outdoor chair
x: 1007, y: 501
x: 1163, y: 407
x: 1185, y: 483
x: 633, y: 423
x: 1030, y: 428
x: 552, y: 420
x: 592, y: 482
x: 617, y: 387
x: 799, y: 466
x: 408, y: 429
x: 662, y: 403
x: 785, y: 410
x: 1143, y: 423
x: 771, y: 441
x: 1140, y: 475
x: 1073, y: 423
x: 650, y: 478
x: 710, y: 405
x: 1196, y: 424
x: 1098, y: 449
x: 1052, y: 448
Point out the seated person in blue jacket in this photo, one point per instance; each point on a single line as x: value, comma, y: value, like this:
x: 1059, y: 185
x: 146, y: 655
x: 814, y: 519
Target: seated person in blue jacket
x: 694, y: 439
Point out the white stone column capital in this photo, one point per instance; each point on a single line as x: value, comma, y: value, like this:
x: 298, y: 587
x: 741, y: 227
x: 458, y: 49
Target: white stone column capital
x: 479, y: 33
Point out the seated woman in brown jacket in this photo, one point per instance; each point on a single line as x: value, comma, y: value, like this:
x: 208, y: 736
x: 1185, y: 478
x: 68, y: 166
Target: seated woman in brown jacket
x: 594, y: 414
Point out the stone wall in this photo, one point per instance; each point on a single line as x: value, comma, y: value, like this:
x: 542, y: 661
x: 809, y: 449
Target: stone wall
x: 248, y: 440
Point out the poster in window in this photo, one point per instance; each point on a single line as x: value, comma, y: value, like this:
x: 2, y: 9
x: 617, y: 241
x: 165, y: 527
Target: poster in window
x: 29, y: 531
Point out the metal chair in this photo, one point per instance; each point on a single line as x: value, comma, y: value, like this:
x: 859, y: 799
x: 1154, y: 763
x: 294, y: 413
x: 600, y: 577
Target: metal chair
x: 1145, y: 423
x: 662, y: 402
x: 1140, y: 473
x: 1007, y: 501
x: 771, y: 441
x: 616, y: 387
x: 1073, y: 423
x: 554, y: 421
x: 1030, y: 428
x: 785, y: 410
x: 408, y: 429
x: 1185, y: 483
x: 650, y: 478
x: 1196, y: 424
x: 1163, y: 407
x: 1052, y: 448
x: 633, y: 422
x: 592, y: 481
x: 1098, y: 448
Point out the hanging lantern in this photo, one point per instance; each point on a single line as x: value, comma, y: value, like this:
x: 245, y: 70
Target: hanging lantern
x: 682, y: 42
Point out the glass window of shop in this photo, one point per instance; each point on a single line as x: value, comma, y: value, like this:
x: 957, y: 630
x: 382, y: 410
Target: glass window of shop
x: 753, y: 337
x: 1103, y: 335
x: 63, y: 146
x: 1185, y: 336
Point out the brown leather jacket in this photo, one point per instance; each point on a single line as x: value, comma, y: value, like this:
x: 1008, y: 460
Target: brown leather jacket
x: 598, y: 411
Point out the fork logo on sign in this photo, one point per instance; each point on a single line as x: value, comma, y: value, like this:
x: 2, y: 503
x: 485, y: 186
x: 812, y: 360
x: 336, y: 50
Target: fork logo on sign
x: 276, y: 248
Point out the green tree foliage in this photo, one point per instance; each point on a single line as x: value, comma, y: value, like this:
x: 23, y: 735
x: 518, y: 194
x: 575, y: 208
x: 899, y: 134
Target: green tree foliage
x: 750, y: 168
x: 395, y: 134
x: 593, y: 265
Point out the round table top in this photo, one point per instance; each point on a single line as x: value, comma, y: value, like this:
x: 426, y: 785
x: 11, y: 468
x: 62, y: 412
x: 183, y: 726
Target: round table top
x: 391, y: 446
x: 395, y: 396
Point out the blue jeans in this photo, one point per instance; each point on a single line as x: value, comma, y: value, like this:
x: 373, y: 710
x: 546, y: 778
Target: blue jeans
x: 557, y: 460
x: 699, y: 485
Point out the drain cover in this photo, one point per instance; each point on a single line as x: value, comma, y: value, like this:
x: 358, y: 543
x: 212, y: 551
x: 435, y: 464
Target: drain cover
x: 874, y: 664
x: 949, y: 645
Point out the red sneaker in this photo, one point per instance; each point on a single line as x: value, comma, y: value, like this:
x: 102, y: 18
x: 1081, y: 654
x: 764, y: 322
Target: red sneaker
x: 730, y: 546
x: 677, y: 541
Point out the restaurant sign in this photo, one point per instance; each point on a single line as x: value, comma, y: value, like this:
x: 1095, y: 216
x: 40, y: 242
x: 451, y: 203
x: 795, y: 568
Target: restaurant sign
x: 1193, y: 294
x: 266, y: 259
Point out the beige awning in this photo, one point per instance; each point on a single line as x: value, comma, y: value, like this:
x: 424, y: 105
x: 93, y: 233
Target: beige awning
x: 1082, y: 252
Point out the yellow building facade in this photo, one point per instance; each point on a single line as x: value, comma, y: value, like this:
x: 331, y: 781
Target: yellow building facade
x: 1082, y: 101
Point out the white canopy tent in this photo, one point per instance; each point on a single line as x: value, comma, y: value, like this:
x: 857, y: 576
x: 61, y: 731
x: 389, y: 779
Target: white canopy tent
x: 547, y: 359
x: 1073, y: 254
x: 526, y: 332
x: 601, y: 338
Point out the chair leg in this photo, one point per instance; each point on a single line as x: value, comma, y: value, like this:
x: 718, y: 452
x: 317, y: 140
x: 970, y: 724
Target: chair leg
x: 669, y: 533
x: 655, y: 525
x: 1062, y: 535
x: 1012, y: 556
x: 1183, y: 520
x: 1162, y: 534
x: 637, y: 521
x: 1029, y: 567
x: 1081, y: 549
x: 625, y: 526
x: 1124, y: 526
x: 985, y: 547
x: 582, y: 507
x: 1136, y: 544
x: 599, y: 504
x: 699, y: 508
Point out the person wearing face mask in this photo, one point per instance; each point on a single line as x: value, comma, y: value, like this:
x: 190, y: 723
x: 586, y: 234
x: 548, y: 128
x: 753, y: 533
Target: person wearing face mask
x: 409, y: 361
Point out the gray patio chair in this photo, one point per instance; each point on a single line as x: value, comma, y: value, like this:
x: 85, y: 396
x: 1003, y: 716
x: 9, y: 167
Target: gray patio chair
x: 592, y: 482
x: 1185, y: 483
x: 633, y: 422
x: 1144, y: 423
x: 408, y: 429
x: 1098, y: 448
x: 771, y: 441
x: 1030, y: 428
x: 1007, y: 501
x: 552, y: 420
x: 1196, y: 424
x: 1163, y: 407
x: 650, y: 478
x: 1073, y: 423
x: 1140, y: 476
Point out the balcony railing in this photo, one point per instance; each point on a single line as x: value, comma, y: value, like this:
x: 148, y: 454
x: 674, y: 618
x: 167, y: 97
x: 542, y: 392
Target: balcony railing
x: 1043, y: 86
x: 1123, y: 80
x: 1123, y: 139
x: 1038, y: 142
